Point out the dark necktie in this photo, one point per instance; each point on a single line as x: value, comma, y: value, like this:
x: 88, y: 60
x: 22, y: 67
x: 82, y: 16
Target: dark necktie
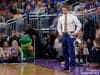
x: 65, y: 26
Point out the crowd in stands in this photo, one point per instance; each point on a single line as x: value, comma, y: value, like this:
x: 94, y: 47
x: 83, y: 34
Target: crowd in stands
x: 14, y: 7
x: 9, y: 48
x: 88, y: 12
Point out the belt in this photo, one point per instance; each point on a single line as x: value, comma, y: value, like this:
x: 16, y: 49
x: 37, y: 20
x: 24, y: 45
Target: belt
x: 68, y: 32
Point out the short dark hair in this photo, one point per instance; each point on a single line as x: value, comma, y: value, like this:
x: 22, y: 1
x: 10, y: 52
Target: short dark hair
x: 66, y: 6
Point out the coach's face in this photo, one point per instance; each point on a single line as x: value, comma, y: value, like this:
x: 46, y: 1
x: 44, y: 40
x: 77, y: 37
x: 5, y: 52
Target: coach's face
x: 64, y: 11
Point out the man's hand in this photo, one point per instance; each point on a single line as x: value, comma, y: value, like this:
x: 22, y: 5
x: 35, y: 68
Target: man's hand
x: 75, y: 34
x: 78, y: 34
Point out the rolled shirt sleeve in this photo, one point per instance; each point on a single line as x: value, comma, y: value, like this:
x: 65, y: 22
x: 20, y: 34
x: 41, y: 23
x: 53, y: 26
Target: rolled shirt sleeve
x: 78, y: 24
x: 59, y: 26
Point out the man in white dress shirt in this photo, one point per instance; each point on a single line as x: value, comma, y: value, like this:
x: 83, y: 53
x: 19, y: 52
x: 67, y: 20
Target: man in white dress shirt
x: 68, y: 27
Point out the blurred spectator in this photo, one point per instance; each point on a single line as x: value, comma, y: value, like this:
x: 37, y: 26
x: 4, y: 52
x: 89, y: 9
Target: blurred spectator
x: 28, y: 8
x: 40, y: 8
x: 51, y: 7
x: 3, y: 37
x: 94, y: 57
x: 15, y: 51
x: 14, y: 36
x: 91, y: 4
x: 90, y: 7
x: 58, y: 47
x: 98, y: 32
x: 3, y: 4
x: 20, y: 4
x: 1, y: 54
x: 58, y: 7
x: 33, y: 3
x: 6, y: 51
x: 13, y: 7
x: 8, y: 15
x: 98, y: 15
x: 79, y: 6
x: 85, y: 52
x: 89, y: 31
x: 54, y: 24
x: 19, y: 21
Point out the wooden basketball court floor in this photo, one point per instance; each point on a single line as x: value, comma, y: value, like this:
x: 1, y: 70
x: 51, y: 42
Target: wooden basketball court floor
x: 27, y: 69
x: 43, y: 67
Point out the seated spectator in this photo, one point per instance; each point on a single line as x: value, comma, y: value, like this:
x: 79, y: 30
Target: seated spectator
x: 6, y: 51
x: 58, y: 47
x: 15, y: 51
x: 85, y: 52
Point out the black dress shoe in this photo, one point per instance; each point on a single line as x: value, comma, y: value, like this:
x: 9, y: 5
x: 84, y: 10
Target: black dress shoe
x: 65, y: 69
x: 72, y: 69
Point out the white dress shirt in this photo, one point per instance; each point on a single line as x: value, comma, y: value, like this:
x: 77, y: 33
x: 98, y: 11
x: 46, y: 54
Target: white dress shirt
x: 73, y: 24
